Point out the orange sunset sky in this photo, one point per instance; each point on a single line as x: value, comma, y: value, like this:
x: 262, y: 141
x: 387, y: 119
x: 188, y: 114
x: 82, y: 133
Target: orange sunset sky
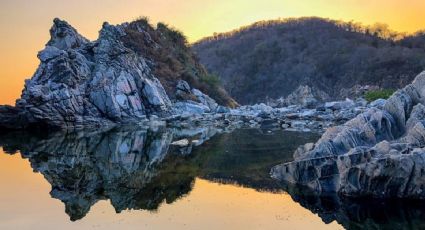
x: 25, y: 24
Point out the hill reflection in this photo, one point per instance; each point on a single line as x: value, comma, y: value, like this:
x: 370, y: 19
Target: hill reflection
x: 142, y: 168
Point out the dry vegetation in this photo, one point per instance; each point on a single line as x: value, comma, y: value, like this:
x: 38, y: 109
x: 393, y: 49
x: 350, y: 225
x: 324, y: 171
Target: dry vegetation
x: 171, y: 59
x: 270, y: 59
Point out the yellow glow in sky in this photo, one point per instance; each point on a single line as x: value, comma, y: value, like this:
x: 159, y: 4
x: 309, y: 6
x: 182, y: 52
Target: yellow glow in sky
x: 25, y: 23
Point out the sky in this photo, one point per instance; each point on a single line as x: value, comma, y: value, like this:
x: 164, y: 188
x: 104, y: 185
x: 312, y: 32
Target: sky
x: 25, y: 24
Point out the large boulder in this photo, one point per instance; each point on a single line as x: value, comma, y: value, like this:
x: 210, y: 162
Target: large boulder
x: 380, y: 153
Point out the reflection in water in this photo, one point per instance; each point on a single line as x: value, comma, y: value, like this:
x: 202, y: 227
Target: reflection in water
x: 363, y: 213
x: 130, y: 168
x: 139, y: 169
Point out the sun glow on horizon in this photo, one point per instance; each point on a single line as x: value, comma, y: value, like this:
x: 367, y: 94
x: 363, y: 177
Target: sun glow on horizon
x: 25, y: 24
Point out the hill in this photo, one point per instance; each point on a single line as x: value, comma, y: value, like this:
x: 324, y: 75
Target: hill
x: 270, y: 59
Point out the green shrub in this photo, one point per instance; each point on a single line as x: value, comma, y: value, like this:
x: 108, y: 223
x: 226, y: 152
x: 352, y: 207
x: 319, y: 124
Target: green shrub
x: 211, y: 79
x: 378, y: 94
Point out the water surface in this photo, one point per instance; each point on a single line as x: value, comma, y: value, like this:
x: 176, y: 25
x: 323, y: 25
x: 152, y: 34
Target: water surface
x: 134, y: 179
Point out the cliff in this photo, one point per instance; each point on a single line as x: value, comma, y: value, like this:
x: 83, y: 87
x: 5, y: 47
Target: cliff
x: 108, y: 81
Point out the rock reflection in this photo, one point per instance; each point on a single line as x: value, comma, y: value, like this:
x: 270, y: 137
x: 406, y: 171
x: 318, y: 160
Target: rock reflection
x: 140, y: 169
x: 359, y: 214
x: 134, y: 169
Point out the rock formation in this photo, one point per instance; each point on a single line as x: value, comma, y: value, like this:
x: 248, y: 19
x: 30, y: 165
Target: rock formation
x: 80, y: 83
x: 305, y: 96
x: 380, y: 153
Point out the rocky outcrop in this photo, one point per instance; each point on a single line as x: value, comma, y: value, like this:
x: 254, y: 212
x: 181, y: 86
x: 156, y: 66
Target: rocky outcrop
x: 380, y: 153
x: 80, y: 83
x: 305, y: 96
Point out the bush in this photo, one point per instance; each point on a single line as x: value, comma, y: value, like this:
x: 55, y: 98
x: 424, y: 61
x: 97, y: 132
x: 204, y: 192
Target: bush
x: 211, y: 79
x: 378, y: 94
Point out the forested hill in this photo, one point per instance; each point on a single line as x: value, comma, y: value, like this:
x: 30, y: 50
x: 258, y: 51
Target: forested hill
x: 270, y: 59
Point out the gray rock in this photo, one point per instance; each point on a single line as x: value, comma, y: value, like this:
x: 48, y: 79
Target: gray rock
x: 190, y: 108
x: 205, y: 99
x: 183, y: 86
x: 338, y: 105
x: 379, y: 103
x: 181, y: 143
x: 222, y: 109
x: 262, y: 108
x: 380, y: 153
x: 361, y: 102
x: 64, y: 37
x: 305, y: 96
x: 89, y: 84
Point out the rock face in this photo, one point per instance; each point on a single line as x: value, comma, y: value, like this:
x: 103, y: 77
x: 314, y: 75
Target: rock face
x: 380, y: 153
x: 305, y: 96
x: 81, y: 83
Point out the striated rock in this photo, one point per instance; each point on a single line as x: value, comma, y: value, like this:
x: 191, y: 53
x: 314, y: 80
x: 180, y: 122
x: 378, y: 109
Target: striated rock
x: 337, y: 105
x: 380, y: 153
x: 80, y: 83
x: 379, y: 103
x: 305, y: 96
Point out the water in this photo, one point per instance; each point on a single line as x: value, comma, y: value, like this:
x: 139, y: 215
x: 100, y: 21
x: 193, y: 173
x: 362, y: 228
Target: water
x: 128, y: 179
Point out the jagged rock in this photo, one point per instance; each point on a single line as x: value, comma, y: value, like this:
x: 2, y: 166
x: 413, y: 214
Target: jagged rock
x: 183, y: 86
x: 361, y: 102
x: 186, y: 108
x: 222, y: 109
x: 379, y: 103
x: 337, y: 105
x: 305, y: 96
x: 357, y: 91
x: 205, y: 99
x: 81, y: 83
x: 380, y: 153
x: 64, y: 37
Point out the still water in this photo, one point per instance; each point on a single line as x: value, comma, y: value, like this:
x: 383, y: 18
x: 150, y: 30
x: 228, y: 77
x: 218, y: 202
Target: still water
x: 137, y: 179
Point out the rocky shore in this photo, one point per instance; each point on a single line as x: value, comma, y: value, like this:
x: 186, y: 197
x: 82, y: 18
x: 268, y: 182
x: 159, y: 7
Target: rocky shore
x: 82, y: 84
x: 369, y: 149
x: 380, y: 153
